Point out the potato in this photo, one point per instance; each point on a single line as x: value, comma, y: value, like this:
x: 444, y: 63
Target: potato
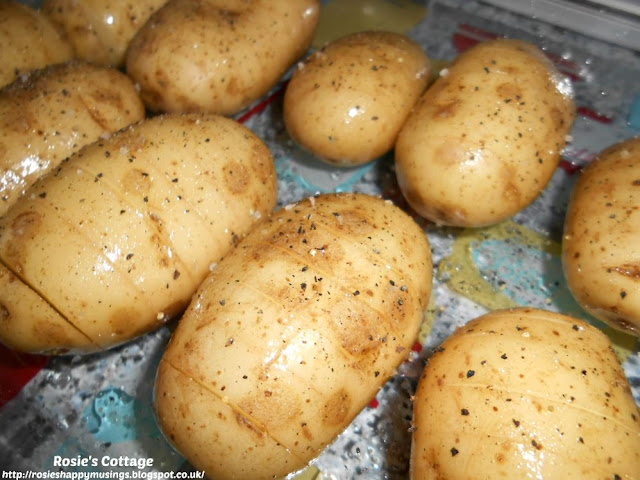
x: 525, y: 393
x: 28, y: 40
x: 293, y: 334
x: 601, y: 244
x: 116, y: 240
x: 100, y: 30
x: 485, y: 139
x: 52, y: 112
x: 347, y: 102
x: 218, y: 56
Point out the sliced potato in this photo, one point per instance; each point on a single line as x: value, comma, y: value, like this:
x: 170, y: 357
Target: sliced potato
x: 100, y: 30
x: 119, y: 237
x: 292, y: 335
x: 601, y: 244
x: 29, y: 40
x: 52, y: 112
x: 525, y: 393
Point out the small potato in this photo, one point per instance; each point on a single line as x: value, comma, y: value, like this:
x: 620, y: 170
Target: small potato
x: 348, y: 101
x: 485, y: 139
x: 292, y: 335
x: 28, y: 40
x: 525, y: 393
x: 115, y: 241
x: 601, y: 245
x: 50, y: 113
x: 218, y: 56
x: 100, y: 30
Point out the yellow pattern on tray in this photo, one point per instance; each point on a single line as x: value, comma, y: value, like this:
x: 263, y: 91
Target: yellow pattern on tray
x: 463, y: 275
x: 342, y: 17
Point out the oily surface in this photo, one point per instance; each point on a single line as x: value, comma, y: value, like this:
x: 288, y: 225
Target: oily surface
x: 118, y: 238
x: 295, y: 332
x: 525, y: 392
x: 602, y: 230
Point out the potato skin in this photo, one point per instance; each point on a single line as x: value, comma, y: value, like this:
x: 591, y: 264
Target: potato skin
x: 50, y: 113
x: 348, y: 101
x: 29, y: 40
x: 601, y: 243
x: 292, y: 335
x: 525, y: 393
x: 117, y: 239
x: 484, y: 140
x: 100, y: 30
x: 218, y: 56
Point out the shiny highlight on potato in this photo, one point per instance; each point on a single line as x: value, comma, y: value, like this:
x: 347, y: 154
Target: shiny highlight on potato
x: 218, y: 56
x: 50, y: 113
x: 485, y: 139
x: 29, y: 41
x: 115, y: 241
x: 100, y: 30
x: 525, y: 393
x: 292, y: 335
x: 347, y: 102
x: 601, y: 243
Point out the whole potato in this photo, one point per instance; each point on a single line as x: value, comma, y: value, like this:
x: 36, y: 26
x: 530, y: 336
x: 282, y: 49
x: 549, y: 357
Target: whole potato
x: 100, y: 30
x: 601, y: 244
x: 28, y: 40
x: 525, y: 393
x: 52, y: 112
x: 218, y: 56
x: 116, y: 240
x: 348, y: 101
x: 293, y: 334
x: 485, y: 139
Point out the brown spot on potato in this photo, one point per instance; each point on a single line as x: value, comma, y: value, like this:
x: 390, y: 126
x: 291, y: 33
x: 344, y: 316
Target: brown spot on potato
x: 354, y: 221
x: 509, y: 92
x: 631, y: 270
x: 558, y: 119
x: 4, y: 313
x: 236, y: 177
x: 257, y: 433
x: 101, y: 104
x: 273, y: 410
x: 131, y: 144
x: 159, y: 240
x: 24, y: 121
x: 337, y: 408
x: 24, y: 227
x: 446, y: 110
x: 50, y: 333
x: 136, y: 181
x: 306, y: 431
x: 512, y: 70
x: 26, y: 224
x: 511, y: 192
x: 123, y: 321
x: 234, y: 87
x: 360, y: 333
